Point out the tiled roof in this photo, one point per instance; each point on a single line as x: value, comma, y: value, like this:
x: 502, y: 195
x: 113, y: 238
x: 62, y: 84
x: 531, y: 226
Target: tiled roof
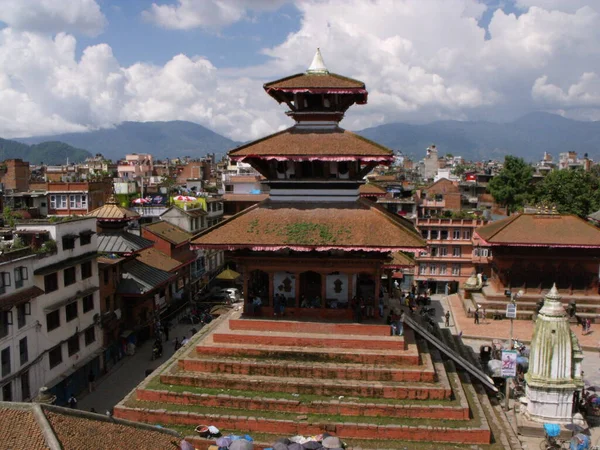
x: 158, y: 259
x: 371, y: 189
x: 301, y: 142
x: 139, y: 278
x: 122, y: 242
x: 25, y: 426
x: 113, y: 212
x: 7, y: 302
x: 20, y: 429
x: 541, y: 230
x: 399, y: 259
x: 303, y: 226
x: 318, y: 81
x: 170, y: 233
x: 245, y: 197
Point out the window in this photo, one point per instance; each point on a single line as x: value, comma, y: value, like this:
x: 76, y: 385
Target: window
x: 467, y: 234
x: 434, y: 251
x: 456, y: 234
x: 71, y: 310
x: 55, y: 356
x: 425, y: 234
x: 20, y: 275
x: 23, y: 352
x: 5, y: 321
x: 434, y: 234
x: 444, y: 234
x: 7, y: 392
x: 78, y: 201
x: 432, y: 269
x: 443, y: 269
x: 105, y: 276
x: 90, y: 336
x: 4, y: 281
x: 456, y: 252
x: 51, y: 282
x: 25, y: 387
x: 53, y: 202
x: 86, y: 270
x: 85, y: 238
x: 455, y: 269
x: 21, y: 313
x: 88, y: 303
x: 68, y: 242
x: 73, y: 345
x: 69, y: 276
x: 53, y: 320
x: 5, y: 359
x: 443, y: 251
x: 58, y: 202
x: 422, y: 269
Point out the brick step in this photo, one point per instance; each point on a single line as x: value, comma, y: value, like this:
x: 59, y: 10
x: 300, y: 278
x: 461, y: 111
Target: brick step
x: 338, y: 407
x: 274, y: 368
x: 389, y: 390
x: 433, y: 432
x: 290, y: 326
x: 316, y: 340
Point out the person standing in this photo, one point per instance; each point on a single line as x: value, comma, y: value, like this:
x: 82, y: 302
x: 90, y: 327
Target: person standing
x: 448, y: 318
x: 401, y: 323
x: 476, y: 317
x: 166, y: 331
x: 91, y: 381
x: 72, y: 402
x: 177, y: 344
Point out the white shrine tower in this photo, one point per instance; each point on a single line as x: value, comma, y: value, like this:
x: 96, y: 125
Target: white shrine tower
x: 554, y: 364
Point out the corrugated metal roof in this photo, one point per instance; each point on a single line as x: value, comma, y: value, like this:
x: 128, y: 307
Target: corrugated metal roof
x: 140, y: 278
x: 121, y: 242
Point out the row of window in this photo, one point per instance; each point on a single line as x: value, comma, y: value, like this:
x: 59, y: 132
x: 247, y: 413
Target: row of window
x: 7, y: 394
x: 68, y: 241
x: 69, y: 276
x: 444, y: 251
x: 6, y: 318
x: 5, y: 361
x: 21, y: 275
x: 55, y: 355
x: 482, y: 252
x: 71, y: 312
x: 445, y: 234
x: 438, y: 269
x: 75, y: 201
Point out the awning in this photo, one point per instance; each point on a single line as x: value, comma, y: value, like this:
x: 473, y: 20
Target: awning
x: 228, y: 275
x: 18, y: 298
x: 66, y: 301
x: 398, y: 275
x: 65, y: 263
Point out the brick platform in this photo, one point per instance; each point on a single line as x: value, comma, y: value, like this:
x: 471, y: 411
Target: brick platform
x: 290, y: 377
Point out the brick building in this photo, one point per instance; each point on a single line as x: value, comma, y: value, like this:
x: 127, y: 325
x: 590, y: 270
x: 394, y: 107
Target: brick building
x: 14, y: 175
x: 443, y: 195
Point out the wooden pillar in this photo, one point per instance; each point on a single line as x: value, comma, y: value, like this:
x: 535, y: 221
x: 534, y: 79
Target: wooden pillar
x: 323, y: 289
x: 350, y: 286
x: 246, y: 275
x: 377, y: 287
x: 297, y: 289
x: 270, y: 295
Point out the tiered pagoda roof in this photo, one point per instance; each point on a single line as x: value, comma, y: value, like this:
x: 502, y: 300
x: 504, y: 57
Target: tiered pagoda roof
x: 111, y: 211
x: 305, y: 226
x: 540, y: 230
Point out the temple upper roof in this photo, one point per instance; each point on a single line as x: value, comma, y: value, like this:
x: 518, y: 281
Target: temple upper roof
x: 546, y: 229
x: 111, y: 211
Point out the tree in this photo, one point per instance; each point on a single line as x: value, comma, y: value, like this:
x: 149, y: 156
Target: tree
x: 512, y: 186
x: 571, y: 191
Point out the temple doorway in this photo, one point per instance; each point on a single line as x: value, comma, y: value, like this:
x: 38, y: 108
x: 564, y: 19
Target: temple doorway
x: 365, y: 286
x: 258, y: 285
x: 310, y: 289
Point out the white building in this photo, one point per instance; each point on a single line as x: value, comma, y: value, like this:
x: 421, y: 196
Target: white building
x: 67, y: 314
x: 20, y: 341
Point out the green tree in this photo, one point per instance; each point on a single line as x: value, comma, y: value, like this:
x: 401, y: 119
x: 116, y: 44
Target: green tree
x: 571, y: 191
x: 512, y: 186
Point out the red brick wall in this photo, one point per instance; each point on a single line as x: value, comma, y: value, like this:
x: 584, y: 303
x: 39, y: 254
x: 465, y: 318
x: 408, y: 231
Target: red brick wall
x: 17, y: 175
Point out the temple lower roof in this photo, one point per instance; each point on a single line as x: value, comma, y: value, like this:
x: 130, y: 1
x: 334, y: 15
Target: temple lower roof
x: 302, y: 226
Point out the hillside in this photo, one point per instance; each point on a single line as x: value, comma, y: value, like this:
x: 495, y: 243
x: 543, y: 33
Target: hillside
x: 51, y: 152
x: 529, y: 137
x: 161, y: 139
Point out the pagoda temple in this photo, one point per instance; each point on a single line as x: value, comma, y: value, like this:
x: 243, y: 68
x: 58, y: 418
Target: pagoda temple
x: 314, y: 241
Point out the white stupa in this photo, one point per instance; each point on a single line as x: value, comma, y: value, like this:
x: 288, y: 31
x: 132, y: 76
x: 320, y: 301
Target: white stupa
x: 554, y: 364
x: 317, y: 65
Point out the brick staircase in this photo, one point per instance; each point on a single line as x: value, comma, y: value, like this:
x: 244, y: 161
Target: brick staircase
x: 281, y: 378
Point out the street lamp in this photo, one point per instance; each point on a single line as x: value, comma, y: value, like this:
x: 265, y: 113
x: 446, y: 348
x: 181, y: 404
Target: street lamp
x: 511, y: 313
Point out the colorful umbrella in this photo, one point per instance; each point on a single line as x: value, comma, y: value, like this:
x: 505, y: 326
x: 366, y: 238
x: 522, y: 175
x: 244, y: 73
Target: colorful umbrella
x: 139, y: 201
x: 184, y: 198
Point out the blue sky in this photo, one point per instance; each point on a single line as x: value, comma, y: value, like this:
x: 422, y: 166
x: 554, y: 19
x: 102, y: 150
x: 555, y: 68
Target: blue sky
x: 87, y: 64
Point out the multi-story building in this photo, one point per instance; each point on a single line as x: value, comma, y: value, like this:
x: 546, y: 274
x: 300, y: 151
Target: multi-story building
x: 63, y: 333
x: 14, y: 175
x: 75, y: 199
x: 449, y: 259
x: 20, y: 347
x: 135, y: 166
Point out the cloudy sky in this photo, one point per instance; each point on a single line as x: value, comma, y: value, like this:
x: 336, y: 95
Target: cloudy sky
x: 87, y: 64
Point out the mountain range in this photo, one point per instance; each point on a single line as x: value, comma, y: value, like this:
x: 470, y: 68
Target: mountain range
x: 51, y: 152
x: 529, y: 137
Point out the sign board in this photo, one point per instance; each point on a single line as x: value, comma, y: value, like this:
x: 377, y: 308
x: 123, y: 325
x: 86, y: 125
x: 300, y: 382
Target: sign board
x: 509, y: 363
x: 511, y: 311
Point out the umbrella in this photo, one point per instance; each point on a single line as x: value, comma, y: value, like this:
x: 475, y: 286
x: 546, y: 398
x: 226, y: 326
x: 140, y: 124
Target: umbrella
x: 139, y: 201
x: 332, y: 442
x: 185, y: 445
x: 312, y: 445
x: 184, y: 198
x: 295, y: 446
x: 223, y: 442
x: 241, y: 444
x: 228, y: 275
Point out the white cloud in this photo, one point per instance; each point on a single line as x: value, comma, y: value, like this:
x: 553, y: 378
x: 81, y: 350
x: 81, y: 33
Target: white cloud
x: 421, y: 61
x: 53, y: 16
x: 210, y: 14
